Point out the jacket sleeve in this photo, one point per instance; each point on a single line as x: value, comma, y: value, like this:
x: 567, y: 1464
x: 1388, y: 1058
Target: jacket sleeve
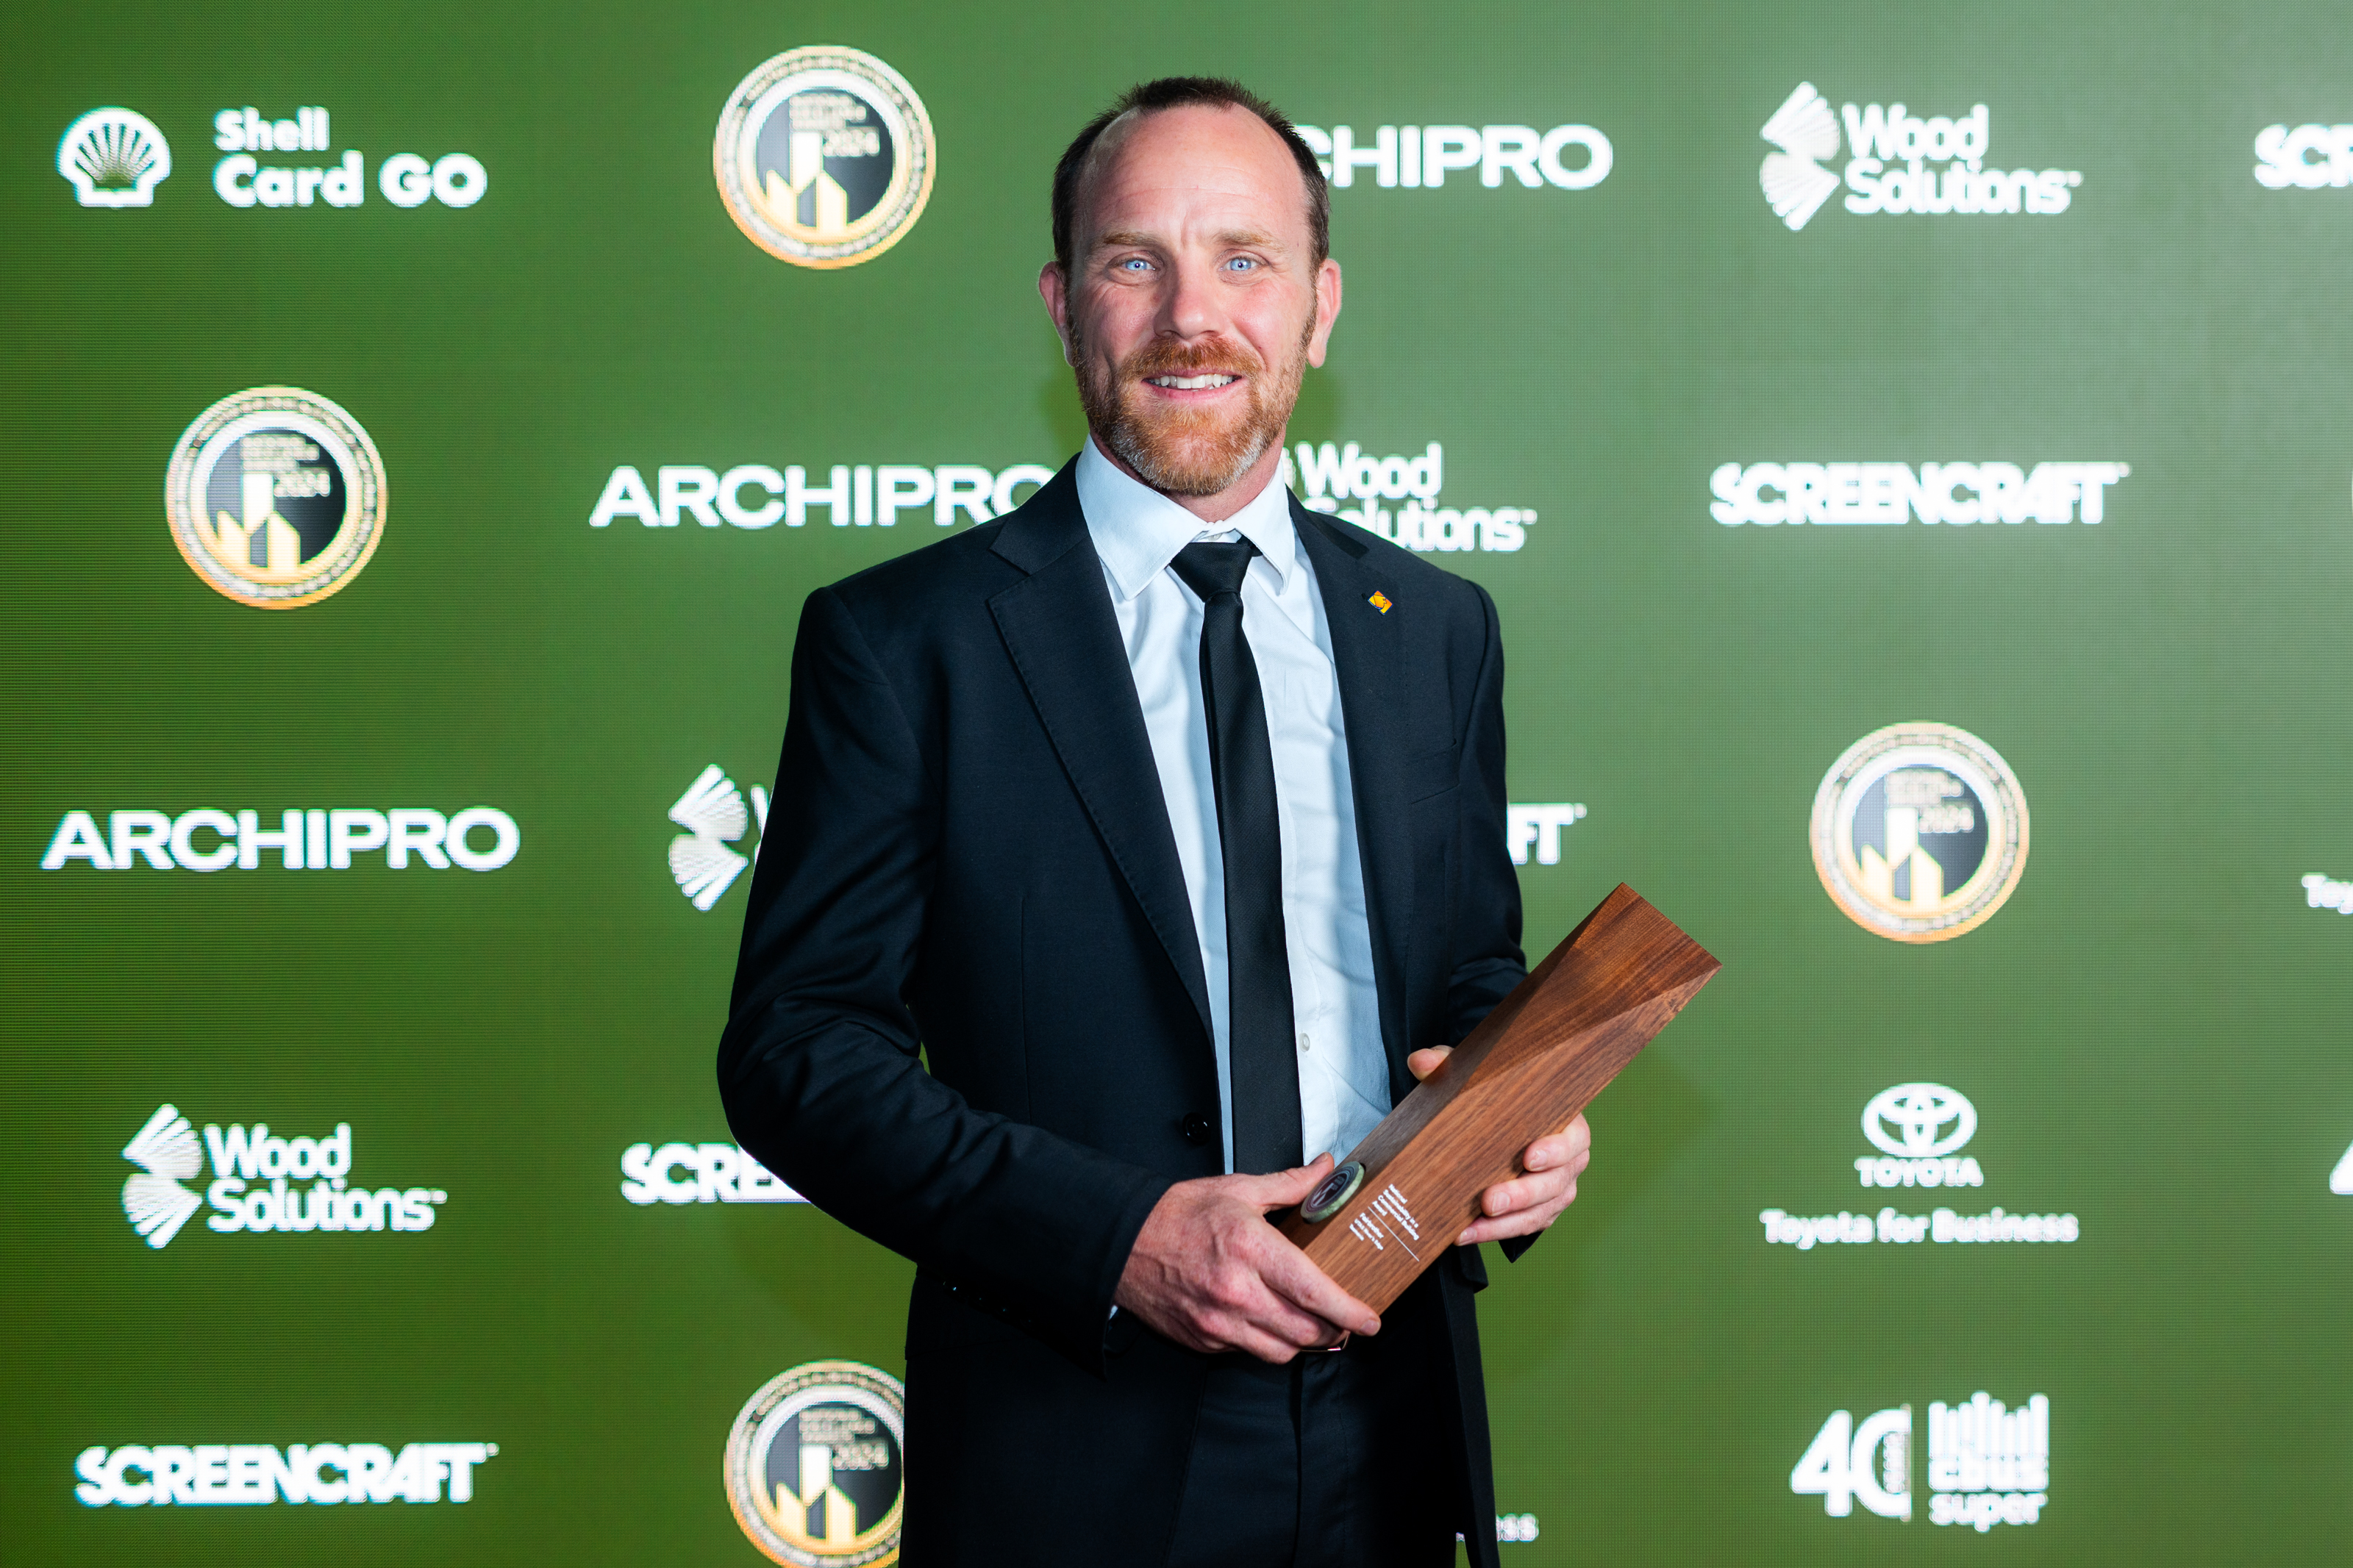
x: 1488, y: 960
x: 819, y: 1062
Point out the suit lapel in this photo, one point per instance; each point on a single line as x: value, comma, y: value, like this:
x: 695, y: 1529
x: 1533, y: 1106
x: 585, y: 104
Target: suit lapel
x: 1058, y: 625
x: 1367, y: 647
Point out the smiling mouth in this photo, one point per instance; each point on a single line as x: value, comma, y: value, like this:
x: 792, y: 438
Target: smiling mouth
x: 1192, y: 383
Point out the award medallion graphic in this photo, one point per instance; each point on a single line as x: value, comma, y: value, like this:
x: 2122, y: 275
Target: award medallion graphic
x: 276, y: 496
x: 814, y: 1469
x: 1919, y: 832
x: 824, y: 157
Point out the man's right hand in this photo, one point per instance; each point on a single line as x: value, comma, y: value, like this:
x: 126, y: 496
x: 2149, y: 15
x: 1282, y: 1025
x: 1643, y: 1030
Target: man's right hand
x: 1209, y: 1272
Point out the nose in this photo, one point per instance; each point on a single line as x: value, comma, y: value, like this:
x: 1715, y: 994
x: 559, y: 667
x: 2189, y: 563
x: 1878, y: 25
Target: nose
x: 1189, y: 304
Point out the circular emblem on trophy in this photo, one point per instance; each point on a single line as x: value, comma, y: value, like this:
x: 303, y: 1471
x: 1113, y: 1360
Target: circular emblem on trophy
x: 276, y: 496
x: 823, y: 157
x: 1331, y: 1192
x: 1920, y: 832
x: 814, y: 1468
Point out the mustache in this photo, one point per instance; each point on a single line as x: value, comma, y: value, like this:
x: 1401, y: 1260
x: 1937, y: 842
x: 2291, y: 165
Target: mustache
x: 1216, y: 356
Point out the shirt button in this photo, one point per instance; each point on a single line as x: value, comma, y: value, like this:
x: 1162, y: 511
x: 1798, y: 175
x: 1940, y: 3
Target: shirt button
x: 1195, y: 1127
x: 1305, y: 1042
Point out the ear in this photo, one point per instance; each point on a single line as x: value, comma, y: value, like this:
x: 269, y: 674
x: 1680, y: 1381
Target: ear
x: 1054, y: 289
x: 1327, y: 311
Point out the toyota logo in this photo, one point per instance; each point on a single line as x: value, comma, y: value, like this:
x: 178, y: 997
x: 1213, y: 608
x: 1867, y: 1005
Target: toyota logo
x: 1904, y: 1121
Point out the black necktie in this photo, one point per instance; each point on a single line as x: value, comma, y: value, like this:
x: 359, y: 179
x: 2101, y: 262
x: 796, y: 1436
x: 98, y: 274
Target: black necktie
x: 1263, y: 1064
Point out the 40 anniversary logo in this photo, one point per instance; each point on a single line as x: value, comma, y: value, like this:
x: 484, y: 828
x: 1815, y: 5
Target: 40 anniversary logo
x: 823, y: 157
x: 1920, y: 832
x: 276, y: 496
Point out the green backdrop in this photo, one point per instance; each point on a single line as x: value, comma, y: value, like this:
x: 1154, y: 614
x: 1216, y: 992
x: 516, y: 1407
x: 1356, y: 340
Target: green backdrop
x: 2145, y: 1030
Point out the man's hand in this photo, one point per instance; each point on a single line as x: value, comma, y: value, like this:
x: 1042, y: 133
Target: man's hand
x: 1528, y: 1203
x: 1211, y: 1274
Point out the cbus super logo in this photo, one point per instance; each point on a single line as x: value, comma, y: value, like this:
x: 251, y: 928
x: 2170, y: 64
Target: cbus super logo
x: 261, y: 1183
x: 1898, y: 162
x: 1987, y: 1464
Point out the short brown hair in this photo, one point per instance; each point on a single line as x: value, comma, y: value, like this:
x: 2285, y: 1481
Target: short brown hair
x: 1177, y: 92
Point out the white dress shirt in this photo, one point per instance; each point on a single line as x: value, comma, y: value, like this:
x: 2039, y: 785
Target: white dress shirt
x: 1137, y: 531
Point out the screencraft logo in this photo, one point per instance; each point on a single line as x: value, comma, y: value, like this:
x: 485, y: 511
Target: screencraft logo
x: 1890, y: 172
x: 699, y: 1173
x: 214, y: 1473
x: 1328, y: 476
x: 276, y: 498
x: 115, y: 158
x: 1919, y: 832
x: 1987, y: 1464
x: 480, y: 839
x: 1420, y: 157
x: 2308, y: 158
x: 824, y: 157
x: 1954, y: 495
x: 814, y: 1469
x: 405, y: 179
x: 253, y: 1189
x: 1919, y: 1129
x: 863, y: 495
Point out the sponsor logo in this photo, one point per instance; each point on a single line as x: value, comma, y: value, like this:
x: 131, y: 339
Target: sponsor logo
x: 2323, y: 892
x: 1515, y: 1527
x: 2308, y: 158
x: 1890, y: 170
x: 699, y: 1173
x: 1330, y: 474
x: 1986, y: 1465
x: 1919, y: 832
x: 1538, y: 828
x: 115, y: 158
x: 2340, y: 1179
x: 753, y: 495
x: 711, y: 812
x: 1420, y: 157
x: 824, y: 157
x: 814, y: 1469
x: 478, y: 838
x: 253, y: 1189
x: 406, y: 180
x: 276, y: 496
x: 246, y: 1473
x: 1956, y: 494
x: 1919, y: 1129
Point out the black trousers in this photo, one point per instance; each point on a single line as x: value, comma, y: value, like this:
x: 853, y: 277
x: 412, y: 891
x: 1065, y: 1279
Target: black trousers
x: 1344, y: 1459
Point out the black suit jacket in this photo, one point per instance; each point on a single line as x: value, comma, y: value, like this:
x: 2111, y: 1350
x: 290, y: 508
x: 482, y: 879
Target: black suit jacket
x: 968, y: 862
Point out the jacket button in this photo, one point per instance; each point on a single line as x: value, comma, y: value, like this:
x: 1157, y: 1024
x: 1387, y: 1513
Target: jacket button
x: 1195, y: 1127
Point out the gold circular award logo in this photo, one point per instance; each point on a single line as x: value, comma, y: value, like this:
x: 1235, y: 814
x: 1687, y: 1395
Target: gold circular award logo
x: 823, y: 157
x: 1920, y: 832
x: 276, y: 496
x: 814, y: 1468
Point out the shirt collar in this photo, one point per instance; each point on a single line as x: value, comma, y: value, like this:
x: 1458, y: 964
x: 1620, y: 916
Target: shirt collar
x: 1138, y: 531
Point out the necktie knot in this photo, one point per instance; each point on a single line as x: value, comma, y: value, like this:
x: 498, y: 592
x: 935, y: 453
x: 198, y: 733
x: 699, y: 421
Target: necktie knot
x: 1210, y: 570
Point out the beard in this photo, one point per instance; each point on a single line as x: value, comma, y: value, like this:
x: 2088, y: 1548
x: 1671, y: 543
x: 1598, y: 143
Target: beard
x: 1190, y: 451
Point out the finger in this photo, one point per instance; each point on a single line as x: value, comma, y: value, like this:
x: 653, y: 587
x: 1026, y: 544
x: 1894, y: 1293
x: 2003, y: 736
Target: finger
x: 1280, y: 1189
x: 1289, y: 1274
x: 1524, y: 1192
x: 1527, y: 1221
x: 1427, y: 1060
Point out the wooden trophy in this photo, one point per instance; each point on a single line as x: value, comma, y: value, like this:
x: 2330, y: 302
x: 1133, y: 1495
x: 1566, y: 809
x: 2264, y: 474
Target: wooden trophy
x: 1398, y: 1201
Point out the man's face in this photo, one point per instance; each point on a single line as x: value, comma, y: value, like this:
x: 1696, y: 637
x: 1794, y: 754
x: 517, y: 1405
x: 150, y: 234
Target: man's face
x: 1194, y: 302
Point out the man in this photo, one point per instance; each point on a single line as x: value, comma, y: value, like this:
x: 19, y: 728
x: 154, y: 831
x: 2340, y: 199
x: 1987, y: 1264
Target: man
x: 1163, y: 817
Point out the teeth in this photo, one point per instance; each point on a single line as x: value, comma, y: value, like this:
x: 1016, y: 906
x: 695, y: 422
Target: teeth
x: 1191, y: 383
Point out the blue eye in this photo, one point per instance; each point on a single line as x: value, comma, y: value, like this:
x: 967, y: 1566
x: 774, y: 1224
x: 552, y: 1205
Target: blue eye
x: 1133, y: 264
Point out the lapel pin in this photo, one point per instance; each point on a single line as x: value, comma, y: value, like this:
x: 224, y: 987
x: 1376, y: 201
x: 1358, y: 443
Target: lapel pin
x: 1379, y: 601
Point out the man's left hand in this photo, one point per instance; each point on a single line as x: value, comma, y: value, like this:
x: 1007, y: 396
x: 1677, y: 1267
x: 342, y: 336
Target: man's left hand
x: 1525, y: 1205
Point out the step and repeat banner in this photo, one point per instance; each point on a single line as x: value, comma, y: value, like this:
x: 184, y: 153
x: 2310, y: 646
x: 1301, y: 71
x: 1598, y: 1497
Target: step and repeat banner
x: 1910, y: 454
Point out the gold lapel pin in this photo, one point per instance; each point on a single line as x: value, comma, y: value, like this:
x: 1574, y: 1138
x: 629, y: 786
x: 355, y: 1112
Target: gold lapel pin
x: 1379, y: 601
